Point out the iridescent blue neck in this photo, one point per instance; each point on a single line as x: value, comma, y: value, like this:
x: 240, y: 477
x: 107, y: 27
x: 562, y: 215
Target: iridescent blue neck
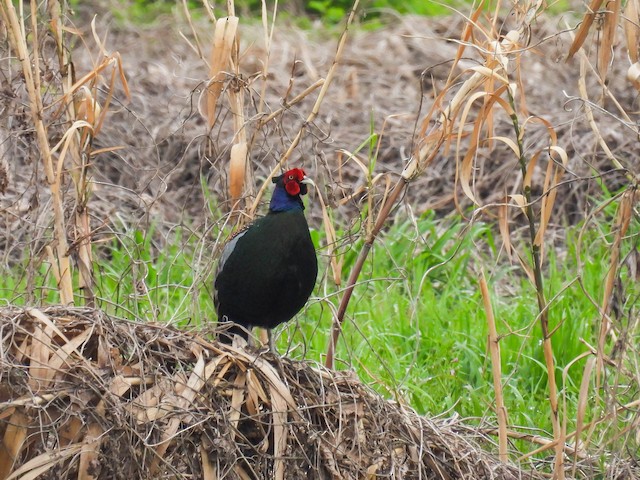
x: 281, y: 201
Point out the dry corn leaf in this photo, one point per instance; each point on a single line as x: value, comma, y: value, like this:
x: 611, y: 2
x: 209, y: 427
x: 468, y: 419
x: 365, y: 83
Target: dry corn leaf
x: 531, y: 166
x: 107, y: 355
x: 279, y: 415
x: 608, y: 40
x: 153, y: 403
x: 632, y: 28
x: 194, y: 384
x: 465, y: 170
x: 497, y: 60
x: 61, y: 355
x: 466, y: 37
x: 180, y: 379
x: 252, y: 401
x: 268, y: 371
x: 633, y: 75
x: 237, y: 397
x: 38, y: 315
x: 70, y: 431
x: 209, y: 470
x: 44, y: 462
x: 520, y: 200
x: 237, y: 170
x: 12, y: 442
x: 583, y: 31
x: 90, y: 452
x: 256, y: 387
x: 552, y: 179
x: 7, y: 412
x: 119, y: 385
x: 87, y: 107
x: 503, y: 225
x: 115, y: 61
x: 372, y: 471
x: 582, y: 88
x: 509, y: 143
x: 238, y: 470
x: 358, y: 161
x: 223, y: 42
x: 39, y: 356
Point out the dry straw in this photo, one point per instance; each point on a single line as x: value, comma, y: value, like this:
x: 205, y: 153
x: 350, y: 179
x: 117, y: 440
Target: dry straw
x: 18, y: 38
x: 81, y: 389
x: 83, y: 120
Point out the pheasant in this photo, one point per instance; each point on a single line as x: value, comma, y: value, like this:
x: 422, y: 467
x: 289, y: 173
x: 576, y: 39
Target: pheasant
x: 267, y: 271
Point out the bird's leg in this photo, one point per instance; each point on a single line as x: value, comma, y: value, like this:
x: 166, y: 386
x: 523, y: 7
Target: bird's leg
x: 250, y: 339
x: 272, y: 345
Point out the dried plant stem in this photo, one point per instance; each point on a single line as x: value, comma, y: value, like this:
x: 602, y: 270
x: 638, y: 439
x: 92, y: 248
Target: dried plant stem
x: 239, y: 169
x: 496, y: 368
x: 585, y: 25
x: 79, y: 149
x: 289, y: 103
x: 623, y: 219
x: 536, y: 254
x: 314, y: 111
x: 30, y: 68
x: 224, y: 41
x: 357, y: 268
x: 547, y: 444
x: 582, y: 407
x: 268, y: 38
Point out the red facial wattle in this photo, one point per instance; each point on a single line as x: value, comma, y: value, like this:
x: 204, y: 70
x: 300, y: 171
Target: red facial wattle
x: 292, y: 187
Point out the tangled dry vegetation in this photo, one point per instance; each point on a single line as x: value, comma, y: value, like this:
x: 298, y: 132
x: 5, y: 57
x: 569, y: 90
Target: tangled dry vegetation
x: 142, y: 135
x: 89, y: 396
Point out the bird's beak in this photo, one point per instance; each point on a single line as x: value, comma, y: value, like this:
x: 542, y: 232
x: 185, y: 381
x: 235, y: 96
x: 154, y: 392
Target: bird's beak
x: 307, y: 181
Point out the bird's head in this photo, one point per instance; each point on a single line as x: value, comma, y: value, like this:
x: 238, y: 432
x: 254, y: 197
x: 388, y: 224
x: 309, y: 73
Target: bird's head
x: 289, y: 186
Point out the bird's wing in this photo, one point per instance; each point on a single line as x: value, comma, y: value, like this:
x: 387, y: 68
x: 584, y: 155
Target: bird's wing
x: 228, y: 248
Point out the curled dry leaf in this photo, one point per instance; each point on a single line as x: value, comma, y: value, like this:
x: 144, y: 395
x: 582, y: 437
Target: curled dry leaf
x: 633, y: 75
x: 223, y: 41
x: 87, y: 107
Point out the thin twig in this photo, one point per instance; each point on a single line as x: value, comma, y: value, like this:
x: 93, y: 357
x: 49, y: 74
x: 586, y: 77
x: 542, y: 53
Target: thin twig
x: 496, y: 368
x: 357, y: 268
x: 314, y: 111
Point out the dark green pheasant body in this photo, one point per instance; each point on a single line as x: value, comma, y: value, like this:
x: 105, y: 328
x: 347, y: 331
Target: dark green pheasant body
x: 267, y: 272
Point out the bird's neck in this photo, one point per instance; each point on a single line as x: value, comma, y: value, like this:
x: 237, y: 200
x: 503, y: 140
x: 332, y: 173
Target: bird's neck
x: 281, y: 201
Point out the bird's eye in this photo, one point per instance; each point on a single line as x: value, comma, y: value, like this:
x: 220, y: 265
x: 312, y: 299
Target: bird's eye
x: 290, y: 177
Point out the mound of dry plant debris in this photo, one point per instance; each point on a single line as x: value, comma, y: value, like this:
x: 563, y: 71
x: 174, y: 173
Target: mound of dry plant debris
x: 85, y: 395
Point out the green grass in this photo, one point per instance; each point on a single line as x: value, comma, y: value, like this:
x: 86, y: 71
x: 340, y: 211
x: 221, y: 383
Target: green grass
x: 329, y: 12
x: 416, y: 328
